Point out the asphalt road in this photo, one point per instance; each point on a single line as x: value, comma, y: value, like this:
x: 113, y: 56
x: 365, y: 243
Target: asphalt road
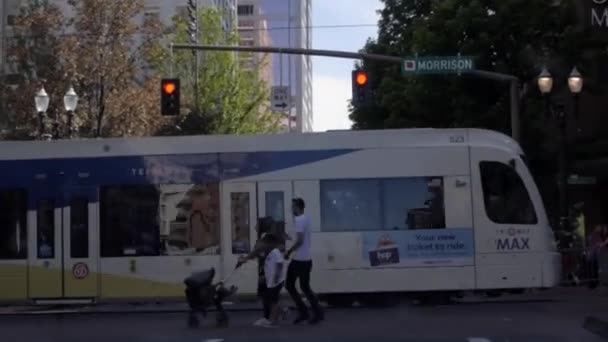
x: 472, y: 322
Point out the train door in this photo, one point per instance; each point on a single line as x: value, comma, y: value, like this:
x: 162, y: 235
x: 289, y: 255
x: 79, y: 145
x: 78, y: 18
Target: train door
x: 274, y: 200
x: 509, y: 237
x: 13, y: 244
x: 63, y: 263
x: 239, y: 216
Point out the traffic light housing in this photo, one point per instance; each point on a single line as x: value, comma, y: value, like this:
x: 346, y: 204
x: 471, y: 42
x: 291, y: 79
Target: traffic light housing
x: 169, y: 97
x: 362, y: 91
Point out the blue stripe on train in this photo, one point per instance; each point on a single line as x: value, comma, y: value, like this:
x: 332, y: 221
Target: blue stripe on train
x: 48, y: 177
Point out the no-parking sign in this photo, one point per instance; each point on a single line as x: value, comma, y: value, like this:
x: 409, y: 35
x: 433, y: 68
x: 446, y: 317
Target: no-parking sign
x: 80, y: 270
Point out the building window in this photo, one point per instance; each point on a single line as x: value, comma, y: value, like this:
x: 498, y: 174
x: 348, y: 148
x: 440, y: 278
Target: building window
x: 245, y: 10
x: 506, y: 198
x: 246, y: 24
x: 11, y: 20
x: 13, y: 224
x: 382, y: 204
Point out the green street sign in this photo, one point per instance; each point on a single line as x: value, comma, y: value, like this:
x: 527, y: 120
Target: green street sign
x: 437, y: 65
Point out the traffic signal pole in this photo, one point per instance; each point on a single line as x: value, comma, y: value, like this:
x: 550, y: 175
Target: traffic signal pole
x: 495, y: 76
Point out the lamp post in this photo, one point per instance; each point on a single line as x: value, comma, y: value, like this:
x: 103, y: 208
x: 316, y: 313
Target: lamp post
x: 70, y: 102
x: 575, y: 84
x: 545, y: 85
x: 42, y: 101
x: 42, y: 105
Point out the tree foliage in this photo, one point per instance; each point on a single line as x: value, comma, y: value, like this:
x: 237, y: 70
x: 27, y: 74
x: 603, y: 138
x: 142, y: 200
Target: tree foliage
x: 512, y: 37
x: 515, y: 37
x: 232, y: 99
x: 99, y: 51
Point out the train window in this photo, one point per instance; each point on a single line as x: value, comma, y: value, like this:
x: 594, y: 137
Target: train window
x: 506, y: 198
x: 46, y: 229
x: 350, y: 205
x: 79, y: 228
x: 413, y: 203
x: 189, y: 219
x: 13, y: 224
x: 275, y: 205
x: 239, y: 209
x: 129, y: 217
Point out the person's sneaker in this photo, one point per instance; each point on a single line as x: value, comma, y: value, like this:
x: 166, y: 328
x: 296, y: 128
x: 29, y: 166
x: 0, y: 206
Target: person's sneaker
x: 260, y: 322
x: 268, y: 324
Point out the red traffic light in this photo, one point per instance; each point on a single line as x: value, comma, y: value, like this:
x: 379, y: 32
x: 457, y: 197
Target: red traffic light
x: 361, y: 78
x: 169, y: 96
x: 169, y: 88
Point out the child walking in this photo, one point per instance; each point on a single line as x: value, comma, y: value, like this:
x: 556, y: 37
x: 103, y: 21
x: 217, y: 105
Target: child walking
x: 274, y: 272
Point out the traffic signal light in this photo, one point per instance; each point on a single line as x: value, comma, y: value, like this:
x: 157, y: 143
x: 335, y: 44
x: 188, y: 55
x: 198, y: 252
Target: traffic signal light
x: 362, y: 92
x: 169, y: 96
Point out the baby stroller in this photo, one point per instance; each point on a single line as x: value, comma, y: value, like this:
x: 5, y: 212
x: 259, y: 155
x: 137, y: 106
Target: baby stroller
x: 202, y: 293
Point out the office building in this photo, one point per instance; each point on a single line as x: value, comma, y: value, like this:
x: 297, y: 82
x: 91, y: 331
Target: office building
x: 253, y: 31
x: 288, y: 23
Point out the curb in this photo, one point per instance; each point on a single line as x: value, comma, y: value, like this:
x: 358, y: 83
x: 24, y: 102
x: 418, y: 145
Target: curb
x: 596, y: 326
x: 125, y: 311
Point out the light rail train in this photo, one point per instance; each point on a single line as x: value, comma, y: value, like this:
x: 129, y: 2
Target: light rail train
x: 412, y: 210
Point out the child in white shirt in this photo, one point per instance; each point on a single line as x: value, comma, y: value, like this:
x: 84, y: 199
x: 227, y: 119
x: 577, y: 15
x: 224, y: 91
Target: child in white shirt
x: 274, y: 272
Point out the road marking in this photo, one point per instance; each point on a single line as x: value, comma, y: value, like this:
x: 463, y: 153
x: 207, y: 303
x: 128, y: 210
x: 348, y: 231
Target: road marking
x: 478, y: 339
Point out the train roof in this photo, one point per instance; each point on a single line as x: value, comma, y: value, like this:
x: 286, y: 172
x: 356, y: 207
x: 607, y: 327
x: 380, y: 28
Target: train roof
x: 366, y: 139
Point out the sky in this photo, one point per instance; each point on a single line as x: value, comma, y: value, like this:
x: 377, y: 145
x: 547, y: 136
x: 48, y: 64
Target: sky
x: 332, y: 76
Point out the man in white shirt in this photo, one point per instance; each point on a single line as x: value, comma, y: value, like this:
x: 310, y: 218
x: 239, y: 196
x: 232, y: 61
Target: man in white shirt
x: 301, y: 266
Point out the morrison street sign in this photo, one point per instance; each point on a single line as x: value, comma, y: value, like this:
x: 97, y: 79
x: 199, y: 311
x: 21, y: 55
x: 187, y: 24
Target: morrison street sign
x: 437, y: 65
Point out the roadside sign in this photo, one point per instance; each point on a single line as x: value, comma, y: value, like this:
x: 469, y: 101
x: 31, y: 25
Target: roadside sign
x: 280, y: 98
x: 437, y: 65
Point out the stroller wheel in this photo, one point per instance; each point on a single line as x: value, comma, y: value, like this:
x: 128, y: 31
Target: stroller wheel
x: 193, y: 321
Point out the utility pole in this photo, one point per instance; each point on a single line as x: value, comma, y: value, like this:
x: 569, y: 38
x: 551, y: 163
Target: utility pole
x: 193, y: 32
x: 512, y: 80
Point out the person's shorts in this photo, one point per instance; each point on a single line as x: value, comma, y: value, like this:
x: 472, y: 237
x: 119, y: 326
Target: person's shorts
x: 272, y: 294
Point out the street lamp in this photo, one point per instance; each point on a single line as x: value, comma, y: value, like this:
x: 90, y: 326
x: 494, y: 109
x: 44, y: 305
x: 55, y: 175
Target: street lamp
x: 575, y: 84
x: 545, y: 82
x: 70, y: 102
x: 42, y: 105
x: 42, y: 101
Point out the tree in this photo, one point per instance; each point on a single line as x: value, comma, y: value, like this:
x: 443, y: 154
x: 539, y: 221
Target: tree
x: 33, y: 55
x: 513, y: 37
x: 232, y: 98
x: 100, y: 51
